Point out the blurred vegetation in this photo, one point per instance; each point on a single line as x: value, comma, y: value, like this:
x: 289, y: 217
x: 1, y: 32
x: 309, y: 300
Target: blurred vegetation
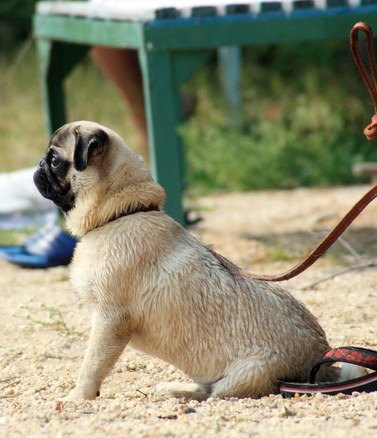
x: 303, y: 112
x: 14, y: 21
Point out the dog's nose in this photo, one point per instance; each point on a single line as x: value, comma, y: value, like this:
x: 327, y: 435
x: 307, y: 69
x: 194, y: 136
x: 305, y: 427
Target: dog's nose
x: 42, y: 162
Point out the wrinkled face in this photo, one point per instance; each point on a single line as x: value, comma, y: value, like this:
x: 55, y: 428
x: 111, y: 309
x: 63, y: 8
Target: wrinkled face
x: 69, y: 153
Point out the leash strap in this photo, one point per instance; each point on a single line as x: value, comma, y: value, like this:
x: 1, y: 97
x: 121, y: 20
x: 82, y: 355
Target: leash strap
x: 315, y: 254
x: 353, y: 355
x: 370, y: 81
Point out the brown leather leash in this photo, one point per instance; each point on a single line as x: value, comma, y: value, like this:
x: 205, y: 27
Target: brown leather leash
x: 371, y: 133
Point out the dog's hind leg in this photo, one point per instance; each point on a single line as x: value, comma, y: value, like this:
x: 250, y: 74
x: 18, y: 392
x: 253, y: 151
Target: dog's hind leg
x: 246, y: 378
x: 179, y: 390
x: 108, y: 338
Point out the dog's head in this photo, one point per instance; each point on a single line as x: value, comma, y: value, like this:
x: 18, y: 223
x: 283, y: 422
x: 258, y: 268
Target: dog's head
x: 92, y: 175
x: 68, y: 154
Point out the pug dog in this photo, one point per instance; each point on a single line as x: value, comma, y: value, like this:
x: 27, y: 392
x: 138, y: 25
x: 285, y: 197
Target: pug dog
x: 154, y: 286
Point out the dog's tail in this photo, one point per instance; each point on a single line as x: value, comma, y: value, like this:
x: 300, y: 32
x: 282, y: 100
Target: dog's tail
x: 347, y: 371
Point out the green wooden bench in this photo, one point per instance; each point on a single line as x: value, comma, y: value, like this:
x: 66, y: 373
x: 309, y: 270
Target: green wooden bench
x: 172, y: 43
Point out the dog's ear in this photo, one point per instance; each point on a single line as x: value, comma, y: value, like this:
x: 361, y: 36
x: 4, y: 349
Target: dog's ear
x: 88, y: 146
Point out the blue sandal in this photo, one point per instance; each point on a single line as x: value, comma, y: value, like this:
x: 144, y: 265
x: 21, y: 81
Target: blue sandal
x: 47, y: 248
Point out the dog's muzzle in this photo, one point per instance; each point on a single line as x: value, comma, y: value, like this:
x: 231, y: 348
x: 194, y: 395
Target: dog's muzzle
x: 49, y: 187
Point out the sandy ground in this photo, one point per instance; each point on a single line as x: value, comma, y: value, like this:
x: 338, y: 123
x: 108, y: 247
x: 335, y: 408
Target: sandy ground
x: 265, y: 232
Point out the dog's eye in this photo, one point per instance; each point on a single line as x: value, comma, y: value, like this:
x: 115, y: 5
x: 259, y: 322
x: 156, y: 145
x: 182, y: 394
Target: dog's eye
x: 55, y: 162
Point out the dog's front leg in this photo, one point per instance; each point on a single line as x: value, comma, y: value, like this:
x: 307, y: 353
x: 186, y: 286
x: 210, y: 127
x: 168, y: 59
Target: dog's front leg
x: 108, y: 337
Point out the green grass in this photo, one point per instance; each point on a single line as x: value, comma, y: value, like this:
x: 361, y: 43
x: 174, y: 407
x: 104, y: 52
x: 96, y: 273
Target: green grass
x: 22, y: 132
x: 303, y: 113
x: 45, y: 317
x: 302, y: 122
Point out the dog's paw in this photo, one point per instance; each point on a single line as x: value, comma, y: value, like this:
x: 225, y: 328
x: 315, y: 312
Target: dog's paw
x: 179, y: 390
x: 73, y: 397
x: 79, y: 394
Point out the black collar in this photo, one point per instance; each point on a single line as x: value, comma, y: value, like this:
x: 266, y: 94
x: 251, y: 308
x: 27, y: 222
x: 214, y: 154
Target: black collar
x: 138, y: 209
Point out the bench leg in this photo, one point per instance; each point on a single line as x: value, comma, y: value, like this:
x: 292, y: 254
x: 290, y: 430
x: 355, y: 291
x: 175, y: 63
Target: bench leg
x: 163, y: 108
x: 230, y: 76
x: 56, y: 60
x: 163, y: 75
